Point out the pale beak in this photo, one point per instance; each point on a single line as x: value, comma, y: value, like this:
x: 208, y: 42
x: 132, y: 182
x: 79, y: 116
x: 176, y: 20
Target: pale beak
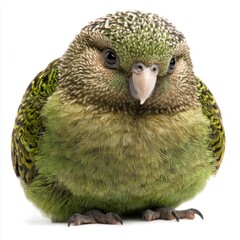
x: 143, y: 81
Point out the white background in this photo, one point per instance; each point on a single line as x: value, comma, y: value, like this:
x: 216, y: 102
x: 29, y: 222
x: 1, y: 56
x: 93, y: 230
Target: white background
x: 35, y: 32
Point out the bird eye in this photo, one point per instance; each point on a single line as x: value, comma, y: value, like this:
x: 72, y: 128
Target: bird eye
x: 111, y: 59
x: 172, y: 64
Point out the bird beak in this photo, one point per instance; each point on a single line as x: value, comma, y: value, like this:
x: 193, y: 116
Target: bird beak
x: 143, y: 81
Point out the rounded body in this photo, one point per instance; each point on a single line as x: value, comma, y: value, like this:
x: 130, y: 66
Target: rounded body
x: 118, y: 162
x: 119, y: 123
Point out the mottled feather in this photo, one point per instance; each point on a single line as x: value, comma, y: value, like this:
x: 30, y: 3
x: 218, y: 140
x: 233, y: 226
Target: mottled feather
x: 212, y: 111
x: 28, y: 124
x: 82, y: 140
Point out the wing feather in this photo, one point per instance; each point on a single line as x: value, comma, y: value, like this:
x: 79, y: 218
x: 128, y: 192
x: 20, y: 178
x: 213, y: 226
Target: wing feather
x: 28, y: 124
x: 212, y: 112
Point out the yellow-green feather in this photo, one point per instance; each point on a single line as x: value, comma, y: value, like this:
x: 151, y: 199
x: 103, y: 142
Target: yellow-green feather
x: 28, y: 124
x: 118, y: 162
x: 57, y: 192
x: 74, y: 155
x: 211, y: 110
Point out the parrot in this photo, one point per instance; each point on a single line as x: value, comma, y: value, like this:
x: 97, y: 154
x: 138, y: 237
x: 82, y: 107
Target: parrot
x: 119, y: 125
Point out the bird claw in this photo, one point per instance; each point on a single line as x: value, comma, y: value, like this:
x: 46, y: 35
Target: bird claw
x: 94, y: 216
x: 116, y: 217
x: 174, y: 214
x: 78, y: 219
x: 170, y: 214
x: 196, y: 212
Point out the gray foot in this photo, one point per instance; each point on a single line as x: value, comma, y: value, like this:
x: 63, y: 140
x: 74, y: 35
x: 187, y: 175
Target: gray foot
x: 170, y: 214
x: 94, y: 216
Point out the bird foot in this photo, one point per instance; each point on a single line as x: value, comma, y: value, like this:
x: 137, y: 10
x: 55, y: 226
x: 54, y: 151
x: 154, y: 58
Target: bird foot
x: 170, y: 214
x: 94, y: 216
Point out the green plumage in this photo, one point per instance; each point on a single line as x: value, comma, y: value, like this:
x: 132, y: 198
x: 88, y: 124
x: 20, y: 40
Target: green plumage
x: 81, y: 141
x: 28, y: 125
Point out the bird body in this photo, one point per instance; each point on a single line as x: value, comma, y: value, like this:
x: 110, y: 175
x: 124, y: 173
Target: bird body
x: 115, y: 126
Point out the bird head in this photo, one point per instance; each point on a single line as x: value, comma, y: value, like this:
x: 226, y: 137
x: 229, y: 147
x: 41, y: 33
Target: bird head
x: 129, y: 61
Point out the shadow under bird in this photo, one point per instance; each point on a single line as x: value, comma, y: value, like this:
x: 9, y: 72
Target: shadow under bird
x: 118, y: 125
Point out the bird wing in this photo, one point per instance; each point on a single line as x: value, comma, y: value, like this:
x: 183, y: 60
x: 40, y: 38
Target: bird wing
x: 211, y: 111
x: 28, y: 124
